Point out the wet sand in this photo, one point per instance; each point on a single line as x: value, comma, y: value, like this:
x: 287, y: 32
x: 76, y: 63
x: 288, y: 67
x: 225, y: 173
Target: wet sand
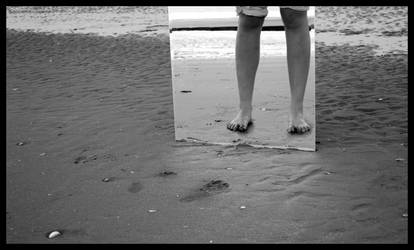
x: 89, y: 108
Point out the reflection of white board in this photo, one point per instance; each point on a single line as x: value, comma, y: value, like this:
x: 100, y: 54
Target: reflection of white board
x: 201, y: 115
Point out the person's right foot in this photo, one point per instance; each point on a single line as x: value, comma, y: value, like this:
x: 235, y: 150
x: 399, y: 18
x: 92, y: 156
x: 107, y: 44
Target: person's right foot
x: 241, y: 122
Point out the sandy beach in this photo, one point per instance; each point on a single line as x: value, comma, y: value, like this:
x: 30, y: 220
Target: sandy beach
x: 90, y: 151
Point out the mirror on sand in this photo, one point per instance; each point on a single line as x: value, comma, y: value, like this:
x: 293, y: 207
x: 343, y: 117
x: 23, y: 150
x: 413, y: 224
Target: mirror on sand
x: 220, y: 98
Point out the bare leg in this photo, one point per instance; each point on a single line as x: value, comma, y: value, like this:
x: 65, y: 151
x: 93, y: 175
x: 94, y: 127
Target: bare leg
x: 247, y: 61
x: 298, y: 56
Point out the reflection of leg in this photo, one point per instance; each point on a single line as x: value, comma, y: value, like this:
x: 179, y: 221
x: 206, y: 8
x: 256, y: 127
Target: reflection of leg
x: 247, y: 61
x: 298, y: 54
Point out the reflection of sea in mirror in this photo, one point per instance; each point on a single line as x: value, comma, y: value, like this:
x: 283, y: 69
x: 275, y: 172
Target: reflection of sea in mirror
x: 204, y: 63
x: 221, y: 44
x: 203, y: 44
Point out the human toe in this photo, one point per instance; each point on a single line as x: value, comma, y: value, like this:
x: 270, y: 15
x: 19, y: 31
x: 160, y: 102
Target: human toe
x: 242, y: 128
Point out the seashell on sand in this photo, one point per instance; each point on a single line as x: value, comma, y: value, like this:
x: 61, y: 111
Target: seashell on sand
x: 54, y: 234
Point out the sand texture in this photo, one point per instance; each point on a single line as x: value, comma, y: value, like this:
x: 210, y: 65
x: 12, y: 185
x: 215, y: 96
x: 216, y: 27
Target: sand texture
x: 90, y: 151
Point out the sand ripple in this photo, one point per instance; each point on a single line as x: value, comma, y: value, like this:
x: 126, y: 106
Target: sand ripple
x: 107, y: 102
x: 367, y: 97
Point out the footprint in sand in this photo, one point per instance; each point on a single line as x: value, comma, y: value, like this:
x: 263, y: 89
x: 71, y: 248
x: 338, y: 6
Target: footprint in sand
x: 166, y: 174
x: 110, y: 157
x: 84, y: 159
x: 135, y: 187
x: 211, y: 188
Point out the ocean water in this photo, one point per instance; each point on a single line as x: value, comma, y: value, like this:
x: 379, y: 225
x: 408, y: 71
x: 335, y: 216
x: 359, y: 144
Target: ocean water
x: 221, y: 44
x: 101, y: 21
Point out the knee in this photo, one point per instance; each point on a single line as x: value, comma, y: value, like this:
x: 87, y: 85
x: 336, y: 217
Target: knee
x: 293, y: 19
x: 248, y: 23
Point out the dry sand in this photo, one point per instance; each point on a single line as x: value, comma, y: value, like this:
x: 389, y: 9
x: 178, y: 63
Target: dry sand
x: 90, y: 108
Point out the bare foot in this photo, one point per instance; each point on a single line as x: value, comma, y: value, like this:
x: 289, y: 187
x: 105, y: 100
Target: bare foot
x: 297, y: 125
x: 241, y: 122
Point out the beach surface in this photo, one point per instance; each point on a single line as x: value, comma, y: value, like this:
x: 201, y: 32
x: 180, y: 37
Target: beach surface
x: 91, y: 151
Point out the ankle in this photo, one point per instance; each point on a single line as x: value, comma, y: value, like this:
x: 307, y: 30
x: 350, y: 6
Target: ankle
x: 246, y: 108
x: 296, y: 109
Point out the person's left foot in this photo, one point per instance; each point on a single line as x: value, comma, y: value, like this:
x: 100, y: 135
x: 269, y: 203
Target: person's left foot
x: 298, y: 125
